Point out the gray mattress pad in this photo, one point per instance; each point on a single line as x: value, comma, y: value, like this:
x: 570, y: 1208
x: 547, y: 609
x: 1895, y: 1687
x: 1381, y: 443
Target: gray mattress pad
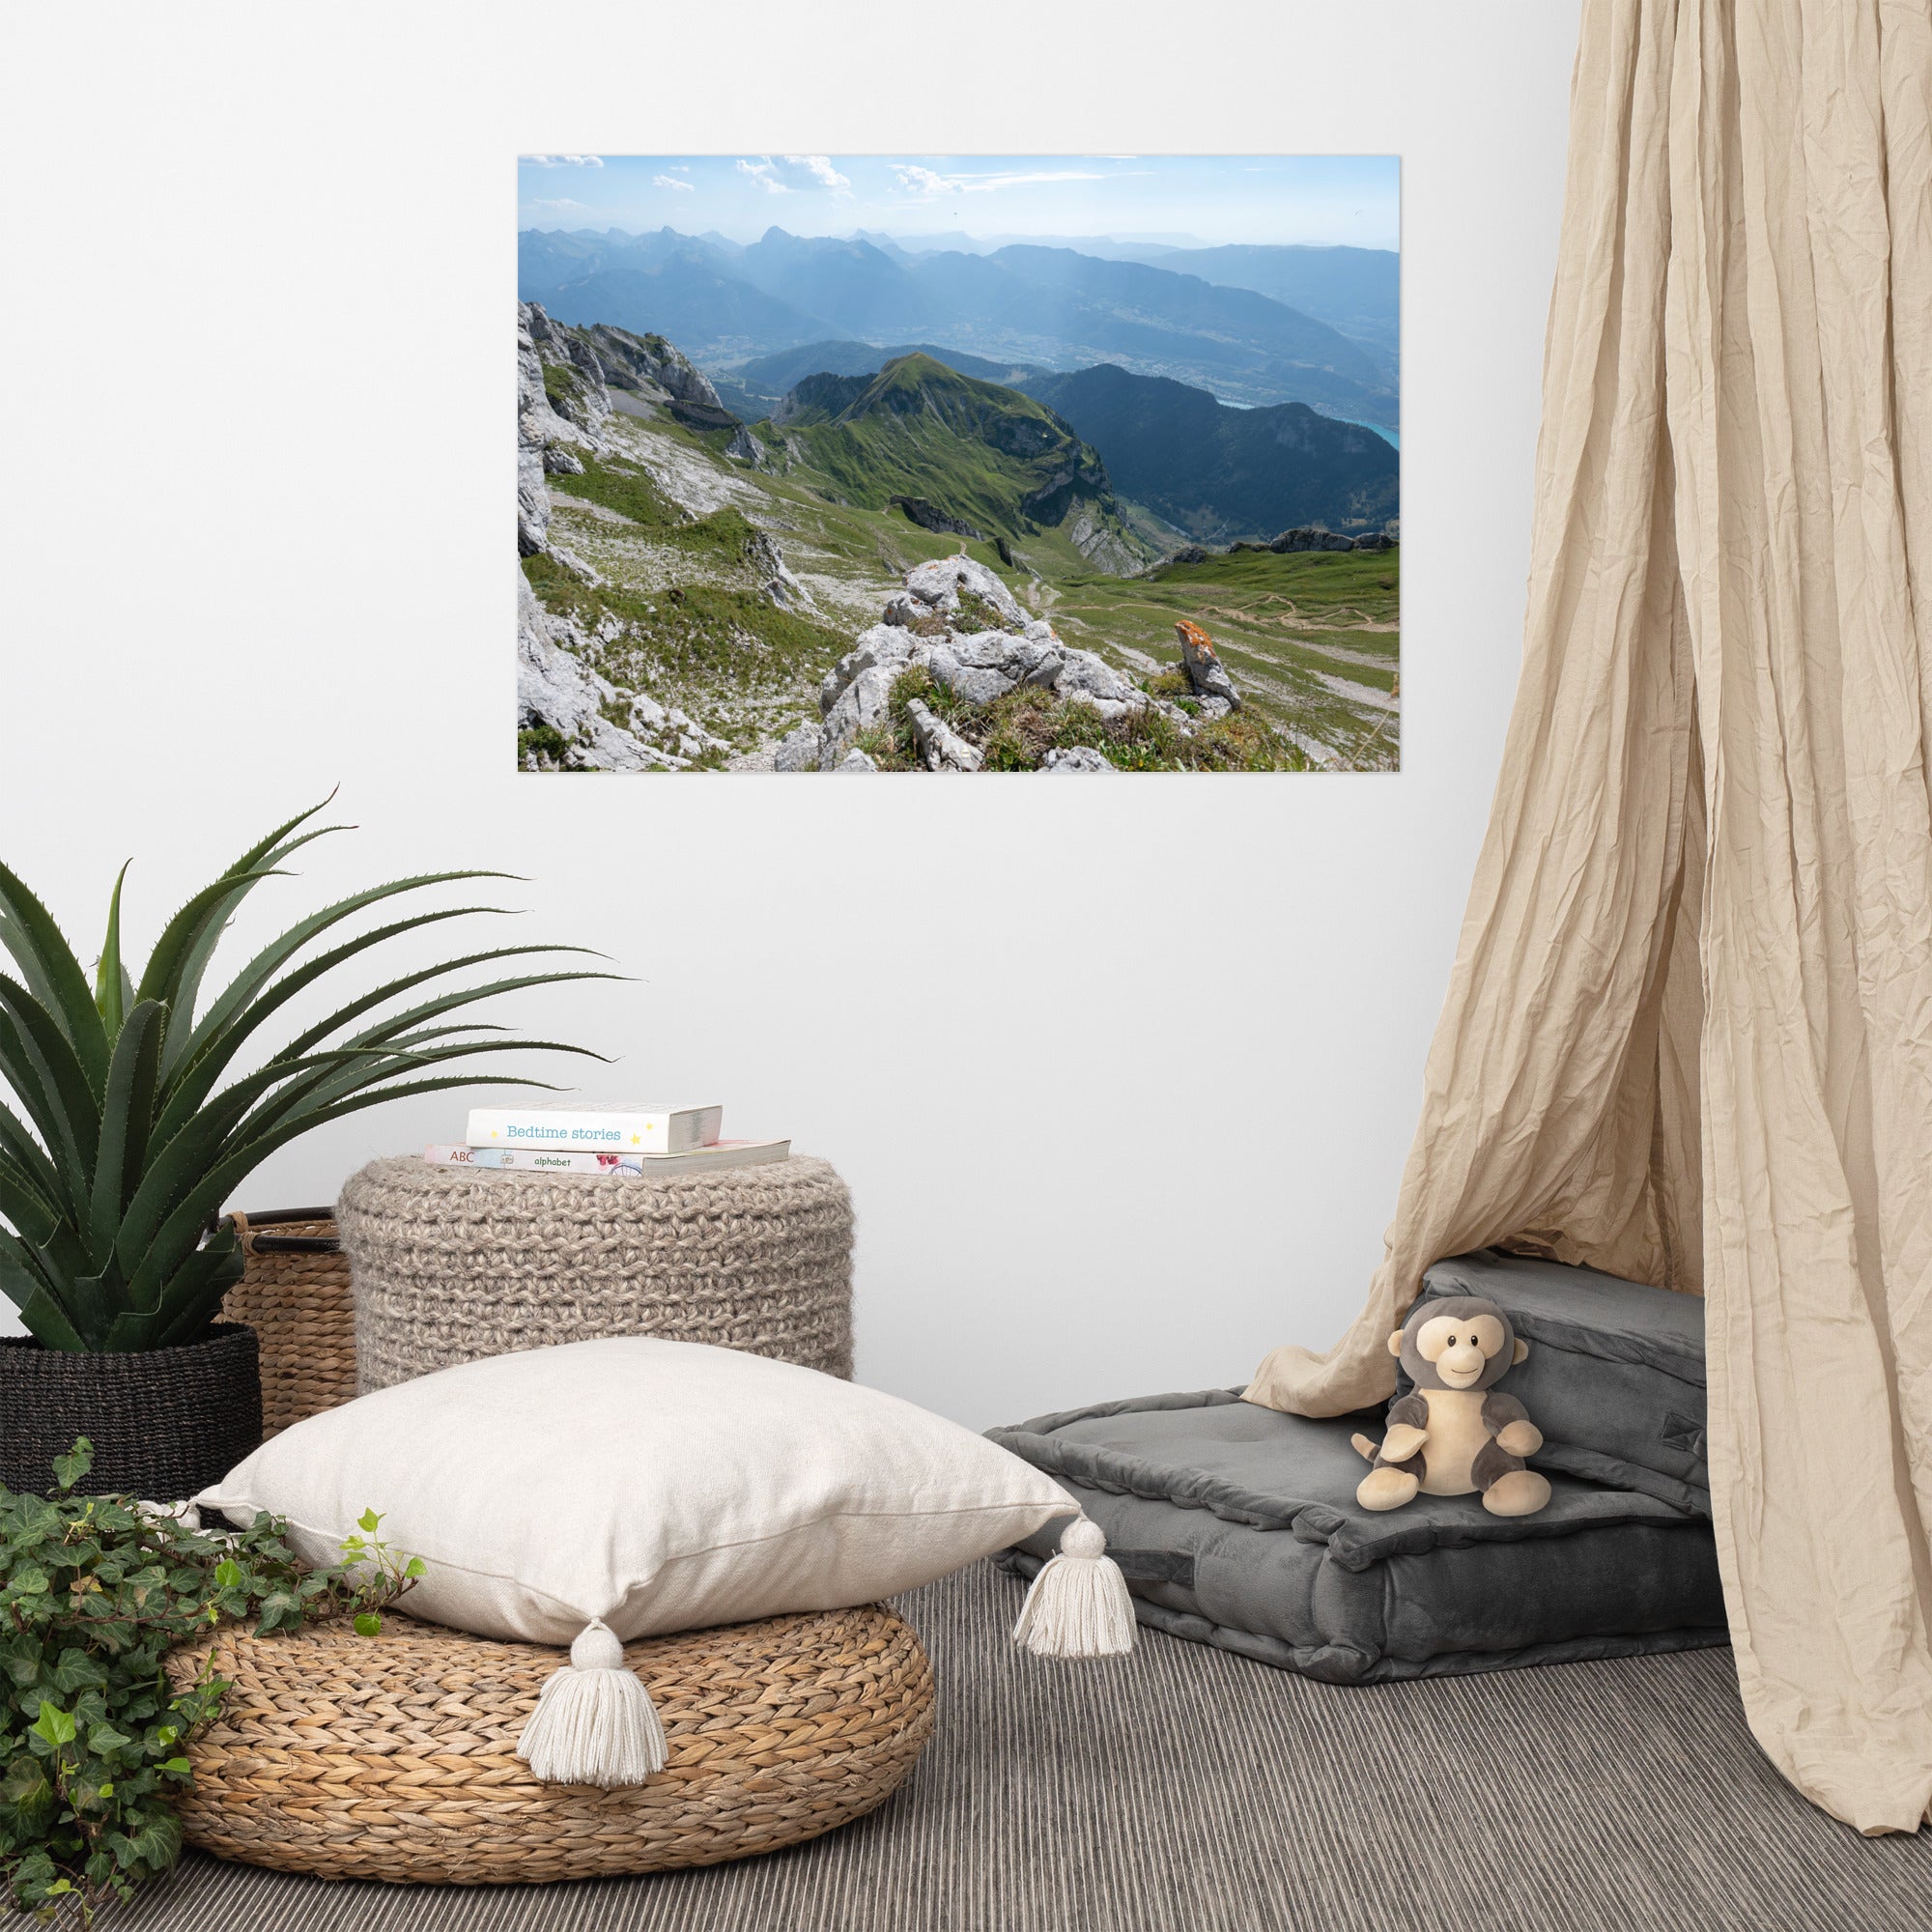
x: 1238, y: 1525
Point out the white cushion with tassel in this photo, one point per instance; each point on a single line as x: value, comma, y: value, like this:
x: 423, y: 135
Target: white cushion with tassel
x: 604, y: 1491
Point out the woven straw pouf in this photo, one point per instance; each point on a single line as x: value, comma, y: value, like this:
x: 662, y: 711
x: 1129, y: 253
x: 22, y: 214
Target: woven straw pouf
x: 452, y: 1264
x: 394, y: 1756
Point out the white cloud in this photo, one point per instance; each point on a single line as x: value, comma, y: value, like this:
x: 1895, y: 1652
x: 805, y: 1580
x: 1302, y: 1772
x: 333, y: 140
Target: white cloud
x: 789, y: 174
x: 924, y: 182
x: 560, y: 204
x: 672, y: 181
x: 565, y: 160
x: 820, y: 168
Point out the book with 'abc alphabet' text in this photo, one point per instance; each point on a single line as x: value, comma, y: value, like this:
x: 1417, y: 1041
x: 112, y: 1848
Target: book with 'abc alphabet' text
x: 562, y: 1160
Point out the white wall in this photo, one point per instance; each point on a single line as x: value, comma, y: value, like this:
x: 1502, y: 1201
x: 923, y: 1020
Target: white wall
x: 1122, y: 1075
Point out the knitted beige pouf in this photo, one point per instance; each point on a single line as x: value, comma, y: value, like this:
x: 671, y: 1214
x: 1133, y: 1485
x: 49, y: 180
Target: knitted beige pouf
x: 454, y: 1263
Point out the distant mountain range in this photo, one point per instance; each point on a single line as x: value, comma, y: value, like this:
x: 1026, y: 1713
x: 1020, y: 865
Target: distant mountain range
x: 1057, y: 308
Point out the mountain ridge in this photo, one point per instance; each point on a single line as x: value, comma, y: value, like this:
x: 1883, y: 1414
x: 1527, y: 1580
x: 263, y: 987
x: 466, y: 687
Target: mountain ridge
x: 1024, y: 304
x: 1224, y: 473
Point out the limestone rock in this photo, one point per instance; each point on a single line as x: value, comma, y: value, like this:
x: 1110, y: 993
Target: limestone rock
x: 554, y: 690
x: 1306, y: 539
x: 1075, y: 759
x: 1205, y: 671
x: 989, y: 663
x: 1189, y: 554
x: 1086, y: 677
x: 532, y: 504
x: 1376, y: 540
x: 882, y: 644
x: 938, y: 582
x: 744, y: 447
x: 557, y: 460
x: 650, y: 367
x: 855, y: 761
x: 797, y: 750
x: 1103, y: 546
x: 780, y: 586
x: 941, y: 748
x: 858, y: 707
x: 929, y: 516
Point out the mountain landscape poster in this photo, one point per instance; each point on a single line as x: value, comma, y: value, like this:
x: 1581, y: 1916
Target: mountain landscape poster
x: 867, y: 464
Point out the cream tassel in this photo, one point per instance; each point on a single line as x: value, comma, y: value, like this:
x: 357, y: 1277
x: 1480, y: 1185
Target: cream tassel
x: 1078, y: 1605
x: 594, y: 1723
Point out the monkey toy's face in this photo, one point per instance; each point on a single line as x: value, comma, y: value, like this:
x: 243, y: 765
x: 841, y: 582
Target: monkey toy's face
x: 1457, y: 1341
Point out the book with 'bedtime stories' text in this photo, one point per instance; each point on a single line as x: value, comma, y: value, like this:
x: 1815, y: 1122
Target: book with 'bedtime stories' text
x: 597, y: 1129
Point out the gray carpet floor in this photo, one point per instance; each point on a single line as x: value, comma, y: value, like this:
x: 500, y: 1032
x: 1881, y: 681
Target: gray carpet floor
x: 1188, y: 1791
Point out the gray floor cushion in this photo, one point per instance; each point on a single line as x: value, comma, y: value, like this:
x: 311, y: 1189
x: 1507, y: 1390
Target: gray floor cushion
x: 1615, y: 1375
x: 1238, y: 1525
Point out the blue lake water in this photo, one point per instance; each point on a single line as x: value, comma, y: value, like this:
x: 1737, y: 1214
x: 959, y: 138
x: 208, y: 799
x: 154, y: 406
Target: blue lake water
x: 1388, y: 436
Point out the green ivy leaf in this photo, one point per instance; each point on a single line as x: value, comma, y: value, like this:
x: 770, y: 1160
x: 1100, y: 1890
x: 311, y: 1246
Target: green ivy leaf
x: 176, y: 1767
x: 53, y: 1726
x: 368, y: 1624
x: 69, y: 1468
x: 228, y: 1573
x: 369, y: 1522
x: 415, y: 1566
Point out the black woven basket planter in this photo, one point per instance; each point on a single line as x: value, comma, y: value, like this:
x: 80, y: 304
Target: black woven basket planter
x: 164, y: 1422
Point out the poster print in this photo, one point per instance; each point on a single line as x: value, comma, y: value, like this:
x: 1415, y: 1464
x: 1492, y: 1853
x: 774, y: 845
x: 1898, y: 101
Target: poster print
x: 914, y: 465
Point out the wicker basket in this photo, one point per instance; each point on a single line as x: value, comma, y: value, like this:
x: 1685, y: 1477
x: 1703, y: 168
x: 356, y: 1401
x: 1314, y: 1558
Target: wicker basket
x: 296, y: 1297
x: 394, y: 1756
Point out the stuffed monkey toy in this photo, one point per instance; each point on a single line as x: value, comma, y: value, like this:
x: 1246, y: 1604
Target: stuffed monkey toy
x: 1456, y: 1432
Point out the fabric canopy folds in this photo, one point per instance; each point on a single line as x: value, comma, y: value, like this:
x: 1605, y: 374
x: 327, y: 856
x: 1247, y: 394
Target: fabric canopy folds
x: 1689, y: 1032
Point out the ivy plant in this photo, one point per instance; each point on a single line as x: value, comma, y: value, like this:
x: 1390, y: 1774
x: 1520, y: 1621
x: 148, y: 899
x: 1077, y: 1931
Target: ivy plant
x: 95, y: 1591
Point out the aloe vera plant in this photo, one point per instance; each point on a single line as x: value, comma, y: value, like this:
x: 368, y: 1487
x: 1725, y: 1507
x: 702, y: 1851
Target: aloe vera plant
x: 124, y: 1141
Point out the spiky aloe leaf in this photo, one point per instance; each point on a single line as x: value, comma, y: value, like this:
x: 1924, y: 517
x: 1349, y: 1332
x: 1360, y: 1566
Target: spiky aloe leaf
x: 197, y: 939
x: 42, y: 1067
x: 272, y: 957
x: 47, y: 965
x: 195, y: 1076
x: 127, y: 1113
x: 26, y: 1284
x: 110, y: 977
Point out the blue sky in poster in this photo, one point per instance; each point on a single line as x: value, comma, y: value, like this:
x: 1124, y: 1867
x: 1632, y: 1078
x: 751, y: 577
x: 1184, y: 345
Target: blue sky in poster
x: 1353, y: 199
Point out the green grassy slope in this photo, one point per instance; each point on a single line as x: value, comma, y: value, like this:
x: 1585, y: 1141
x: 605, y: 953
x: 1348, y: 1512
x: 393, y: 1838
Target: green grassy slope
x: 981, y: 453
x: 1311, y: 638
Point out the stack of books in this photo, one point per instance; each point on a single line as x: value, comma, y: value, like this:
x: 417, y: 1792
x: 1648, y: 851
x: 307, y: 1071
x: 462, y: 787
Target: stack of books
x: 614, y: 1140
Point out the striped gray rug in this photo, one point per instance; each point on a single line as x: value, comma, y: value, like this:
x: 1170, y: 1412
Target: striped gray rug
x: 1188, y: 1791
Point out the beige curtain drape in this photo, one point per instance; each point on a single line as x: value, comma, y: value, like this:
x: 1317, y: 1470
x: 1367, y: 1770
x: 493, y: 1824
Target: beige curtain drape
x: 1689, y: 1031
